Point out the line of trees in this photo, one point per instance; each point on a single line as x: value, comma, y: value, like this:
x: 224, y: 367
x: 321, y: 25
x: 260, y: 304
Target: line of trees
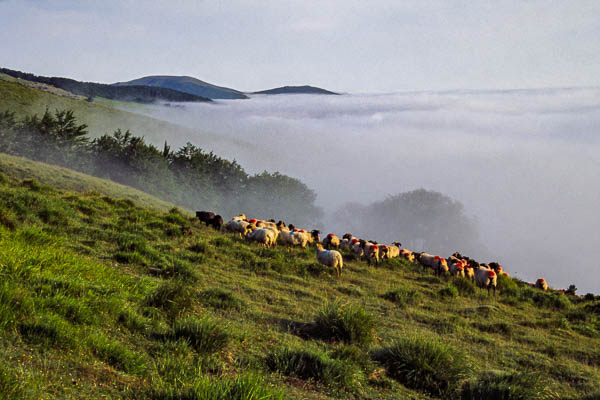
x: 188, y: 176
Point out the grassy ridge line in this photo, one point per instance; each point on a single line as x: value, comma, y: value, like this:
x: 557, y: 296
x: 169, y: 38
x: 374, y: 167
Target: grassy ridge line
x: 100, y: 117
x: 65, y: 179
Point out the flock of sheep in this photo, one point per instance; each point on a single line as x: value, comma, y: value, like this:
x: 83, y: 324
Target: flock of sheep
x: 267, y: 234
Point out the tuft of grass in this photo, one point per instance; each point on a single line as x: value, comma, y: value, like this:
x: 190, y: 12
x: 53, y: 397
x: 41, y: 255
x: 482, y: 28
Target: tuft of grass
x: 248, y: 386
x: 117, y: 355
x: 464, y: 286
x: 499, y: 385
x: 221, y: 299
x: 448, y: 291
x: 47, y: 329
x: 351, y: 290
x: 204, y: 335
x: 402, y: 297
x: 313, y: 365
x: 424, y: 363
x: 345, y: 322
x: 507, y: 286
x: 9, y: 384
x: 172, y: 296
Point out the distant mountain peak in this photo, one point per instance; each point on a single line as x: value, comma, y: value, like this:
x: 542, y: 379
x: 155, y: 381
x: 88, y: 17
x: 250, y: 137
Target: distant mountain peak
x: 304, y: 89
x: 187, y: 84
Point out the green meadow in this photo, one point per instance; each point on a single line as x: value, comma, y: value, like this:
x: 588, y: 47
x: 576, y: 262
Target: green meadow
x: 108, y: 293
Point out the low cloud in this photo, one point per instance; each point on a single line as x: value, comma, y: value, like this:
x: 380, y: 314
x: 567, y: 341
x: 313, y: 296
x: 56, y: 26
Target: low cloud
x: 524, y: 163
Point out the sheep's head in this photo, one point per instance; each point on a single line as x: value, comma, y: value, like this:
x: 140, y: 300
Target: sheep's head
x: 347, y: 236
x: 398, y: 244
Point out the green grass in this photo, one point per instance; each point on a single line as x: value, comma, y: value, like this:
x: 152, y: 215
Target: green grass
x: 426, y: 364
x: 102, y: 296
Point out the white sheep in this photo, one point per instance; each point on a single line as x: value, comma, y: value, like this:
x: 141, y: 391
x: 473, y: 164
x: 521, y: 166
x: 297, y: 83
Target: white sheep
x: 238, y: 226
x: 264, y: 236
x: 331, y: 258
x: 457, y: 268
x: 486, y: 278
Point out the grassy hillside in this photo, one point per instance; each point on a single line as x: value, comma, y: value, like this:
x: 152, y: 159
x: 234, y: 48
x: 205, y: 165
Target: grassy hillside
x: 100, y: 116
x: 140, y: 94
x: 66, y: 179
x: 103, y: 298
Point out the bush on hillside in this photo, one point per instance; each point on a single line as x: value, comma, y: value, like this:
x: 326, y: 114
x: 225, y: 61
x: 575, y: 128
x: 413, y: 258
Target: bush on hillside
x: 204, y: 335
x: 424, y: 363
x: 312, y: 365
x: 345, y: 322
x: 402, y: 297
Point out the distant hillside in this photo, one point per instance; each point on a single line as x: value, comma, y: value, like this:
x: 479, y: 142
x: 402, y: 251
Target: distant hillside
x: 140, y: 94
x: 186, y: 84
x: 100, y: 118
x: 296, y: 90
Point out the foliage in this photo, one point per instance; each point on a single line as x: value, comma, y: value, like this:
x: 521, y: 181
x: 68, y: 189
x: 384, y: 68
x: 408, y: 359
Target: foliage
x: 306, y: 364
x: 402, y: 297
x: 189, y: 176
x: 204, y: 335
x: 345, y: 322
x: 498, y: 385
x: 424, y: 363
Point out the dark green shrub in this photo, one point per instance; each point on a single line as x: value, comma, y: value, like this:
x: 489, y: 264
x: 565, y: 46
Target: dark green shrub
x: 402, y: 297
x: 353, y: 354
x: 222, y: 299
x: 345, y: 322
x: 448, y: 291
x: 465, y: 287
x: 498, y: 385
x: 424, y: 363
x: 545, y: 299
x: 204, y: 335
x: 172, y: 296
x: 306, y: 364
x: 507, y: 286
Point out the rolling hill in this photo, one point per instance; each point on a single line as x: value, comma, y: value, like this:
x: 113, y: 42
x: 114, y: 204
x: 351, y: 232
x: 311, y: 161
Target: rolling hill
x: 186, y: 84
x: 139, y: 94
x: 296, y: 90
x: 103, y: 297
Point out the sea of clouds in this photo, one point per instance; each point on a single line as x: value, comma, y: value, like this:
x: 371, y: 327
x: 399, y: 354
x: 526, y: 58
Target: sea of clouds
x: 525, y: 163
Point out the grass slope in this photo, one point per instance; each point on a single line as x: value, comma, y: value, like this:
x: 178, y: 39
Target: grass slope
x: 100, y: 116
x: 103, y: 298
x: 20, y: 168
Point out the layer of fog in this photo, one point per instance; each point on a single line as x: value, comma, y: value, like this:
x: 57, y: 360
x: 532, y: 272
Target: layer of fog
x: 525, y: 163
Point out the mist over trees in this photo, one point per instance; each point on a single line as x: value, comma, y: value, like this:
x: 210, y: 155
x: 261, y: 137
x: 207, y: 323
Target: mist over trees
x: 419, y: 219
x: 188, y: 176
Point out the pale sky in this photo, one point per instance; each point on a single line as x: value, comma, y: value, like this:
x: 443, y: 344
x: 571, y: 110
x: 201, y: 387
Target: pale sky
x: 344, y: 45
